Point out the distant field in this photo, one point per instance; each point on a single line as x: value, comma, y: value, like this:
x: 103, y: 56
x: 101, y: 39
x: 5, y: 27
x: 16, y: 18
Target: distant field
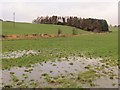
x: 27, y: 28
x: 103, y: 45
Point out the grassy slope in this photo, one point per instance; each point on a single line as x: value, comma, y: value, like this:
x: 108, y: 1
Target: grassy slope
x: 104, y: 45
x: 27, y: 28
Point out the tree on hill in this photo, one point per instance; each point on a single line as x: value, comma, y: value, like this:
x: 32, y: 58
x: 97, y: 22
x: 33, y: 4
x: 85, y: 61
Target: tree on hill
x: 89, y: 24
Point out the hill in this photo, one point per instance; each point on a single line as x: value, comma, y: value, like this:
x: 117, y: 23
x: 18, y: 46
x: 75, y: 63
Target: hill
x: 87, y: 24
x: 100, y: 43
x: 29, y: 28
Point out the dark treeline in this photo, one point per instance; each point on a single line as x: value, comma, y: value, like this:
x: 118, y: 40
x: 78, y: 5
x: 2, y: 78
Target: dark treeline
x: 1, y: 20
x: 88, y: 24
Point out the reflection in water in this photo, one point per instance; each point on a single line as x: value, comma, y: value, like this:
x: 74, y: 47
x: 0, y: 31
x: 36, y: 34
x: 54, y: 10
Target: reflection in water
x: 69, y: 67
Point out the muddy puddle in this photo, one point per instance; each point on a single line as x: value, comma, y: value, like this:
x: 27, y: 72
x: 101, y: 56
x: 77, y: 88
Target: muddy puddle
x: 58, y: 73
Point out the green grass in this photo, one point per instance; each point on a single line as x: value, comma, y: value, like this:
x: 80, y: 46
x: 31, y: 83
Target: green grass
x: 28, y: 28
x: 95, y: 45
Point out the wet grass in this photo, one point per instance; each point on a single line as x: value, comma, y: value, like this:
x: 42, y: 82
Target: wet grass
x: 90, y: 45
x: 74, y: 82
x: 14, y: 78
x: 67, y: 79
x: 95, y: 45
x: 87, y: 76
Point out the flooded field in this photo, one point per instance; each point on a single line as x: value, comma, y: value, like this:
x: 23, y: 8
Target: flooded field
x: 71, y: 71
x: 19, y: 53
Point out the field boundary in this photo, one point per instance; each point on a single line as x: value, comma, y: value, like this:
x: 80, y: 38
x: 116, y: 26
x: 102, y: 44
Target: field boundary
x: 35, y: 36
x: 31, y: 36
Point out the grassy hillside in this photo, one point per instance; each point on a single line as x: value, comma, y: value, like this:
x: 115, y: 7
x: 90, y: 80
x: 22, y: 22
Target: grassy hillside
x: 28, y: 28
x: 103, y: 45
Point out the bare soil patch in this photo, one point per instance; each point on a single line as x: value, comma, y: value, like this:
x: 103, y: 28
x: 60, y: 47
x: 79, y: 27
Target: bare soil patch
x: 30, y: 36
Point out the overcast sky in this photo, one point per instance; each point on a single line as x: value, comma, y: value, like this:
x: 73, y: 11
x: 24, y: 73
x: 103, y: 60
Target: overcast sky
x: 27, y: 10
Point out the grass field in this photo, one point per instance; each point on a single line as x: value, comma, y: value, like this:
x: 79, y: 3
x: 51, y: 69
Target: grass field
x: 91, y: 45
x: 58, y: 60
x: 28, y: 28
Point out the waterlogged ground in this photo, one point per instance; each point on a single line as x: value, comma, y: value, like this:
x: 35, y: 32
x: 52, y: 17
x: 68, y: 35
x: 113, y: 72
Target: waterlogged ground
x: 72, y: 71
x: 19, y: 53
